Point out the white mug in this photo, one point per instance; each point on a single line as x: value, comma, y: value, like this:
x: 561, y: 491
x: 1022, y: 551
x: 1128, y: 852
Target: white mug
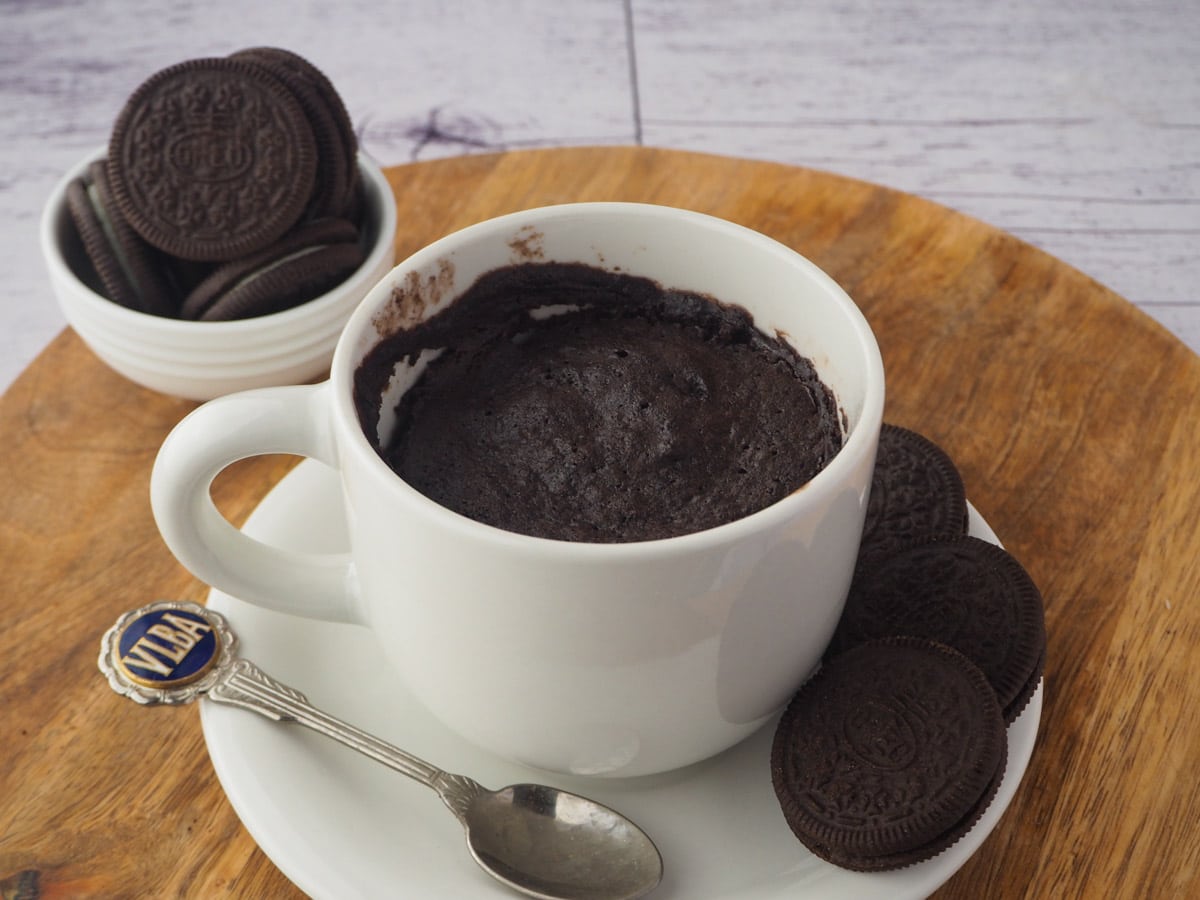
x: 615, y: 658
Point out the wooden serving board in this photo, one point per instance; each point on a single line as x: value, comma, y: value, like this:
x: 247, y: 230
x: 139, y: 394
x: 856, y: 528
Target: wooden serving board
x: 1074, y: 418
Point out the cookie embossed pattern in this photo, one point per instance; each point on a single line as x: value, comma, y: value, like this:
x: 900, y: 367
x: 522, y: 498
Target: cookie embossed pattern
x: 212, y: 159
x: 896, y: 747
x: 225, y: 234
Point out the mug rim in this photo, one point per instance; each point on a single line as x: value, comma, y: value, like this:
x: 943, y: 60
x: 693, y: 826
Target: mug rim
x: 860, y: 439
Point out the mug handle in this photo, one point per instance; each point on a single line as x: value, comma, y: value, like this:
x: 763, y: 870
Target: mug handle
x: 294, y: 420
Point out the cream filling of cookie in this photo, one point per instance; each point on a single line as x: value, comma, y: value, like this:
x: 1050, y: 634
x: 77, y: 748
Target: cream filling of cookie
x: 273, y: 265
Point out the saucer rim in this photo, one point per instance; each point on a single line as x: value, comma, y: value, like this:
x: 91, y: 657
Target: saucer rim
x: 281, y: 839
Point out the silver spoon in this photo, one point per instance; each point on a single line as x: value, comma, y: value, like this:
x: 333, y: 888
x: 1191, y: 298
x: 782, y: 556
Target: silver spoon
x: 536, y: 839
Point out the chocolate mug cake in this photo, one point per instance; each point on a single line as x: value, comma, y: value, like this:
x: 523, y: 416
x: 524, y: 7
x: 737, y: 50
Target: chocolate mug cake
x: 579, y: 404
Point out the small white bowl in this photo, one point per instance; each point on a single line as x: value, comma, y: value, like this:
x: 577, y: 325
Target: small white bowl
x: 202, y: 360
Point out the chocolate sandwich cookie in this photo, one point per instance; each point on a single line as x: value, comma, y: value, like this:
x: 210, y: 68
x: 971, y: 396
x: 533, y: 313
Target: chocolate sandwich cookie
x: 1017, y: 705
x: 889, y: 754
x: 337, y: 144
x: 239, y: 274
x: 131, y: 272
x: 967, y: 593
x: 356, y: 208
x: 212, y: 159
x: 917, y: 493
x: 305, y: 263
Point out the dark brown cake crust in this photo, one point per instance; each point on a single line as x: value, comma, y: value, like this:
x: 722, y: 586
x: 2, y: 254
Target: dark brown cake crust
x: 644, y: 414
x: 889, y: 754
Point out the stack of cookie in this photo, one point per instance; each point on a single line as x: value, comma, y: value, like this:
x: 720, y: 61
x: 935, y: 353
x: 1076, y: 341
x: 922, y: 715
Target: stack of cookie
x: 895, y: 748
x: 231, y: 189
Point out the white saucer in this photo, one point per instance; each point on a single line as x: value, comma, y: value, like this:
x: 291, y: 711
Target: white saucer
x: 341, y: 826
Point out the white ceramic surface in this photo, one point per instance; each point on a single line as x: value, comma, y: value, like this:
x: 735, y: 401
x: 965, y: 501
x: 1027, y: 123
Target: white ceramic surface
x: 202, y: 360
x: 718, y: 627
x: 342, y: 827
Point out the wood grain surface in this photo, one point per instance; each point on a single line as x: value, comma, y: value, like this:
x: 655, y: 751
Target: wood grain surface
x: 1073, y: 417
x: 1072, y: 125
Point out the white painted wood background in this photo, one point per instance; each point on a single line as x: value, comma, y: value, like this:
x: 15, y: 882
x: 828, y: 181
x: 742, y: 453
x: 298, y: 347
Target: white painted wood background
x: 1074, y: 124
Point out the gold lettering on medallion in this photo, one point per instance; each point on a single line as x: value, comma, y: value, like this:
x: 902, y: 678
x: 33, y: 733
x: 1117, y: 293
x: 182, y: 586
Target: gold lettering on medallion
x: 167, y: 641
x: 138, y: 656
x: 182, y: 640
x: 176, y: 654
x: 188, y: 626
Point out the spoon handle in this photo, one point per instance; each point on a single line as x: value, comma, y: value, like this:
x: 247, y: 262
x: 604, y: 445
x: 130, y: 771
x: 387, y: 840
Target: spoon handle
x: 174, y: 652
x: 246, y: 685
